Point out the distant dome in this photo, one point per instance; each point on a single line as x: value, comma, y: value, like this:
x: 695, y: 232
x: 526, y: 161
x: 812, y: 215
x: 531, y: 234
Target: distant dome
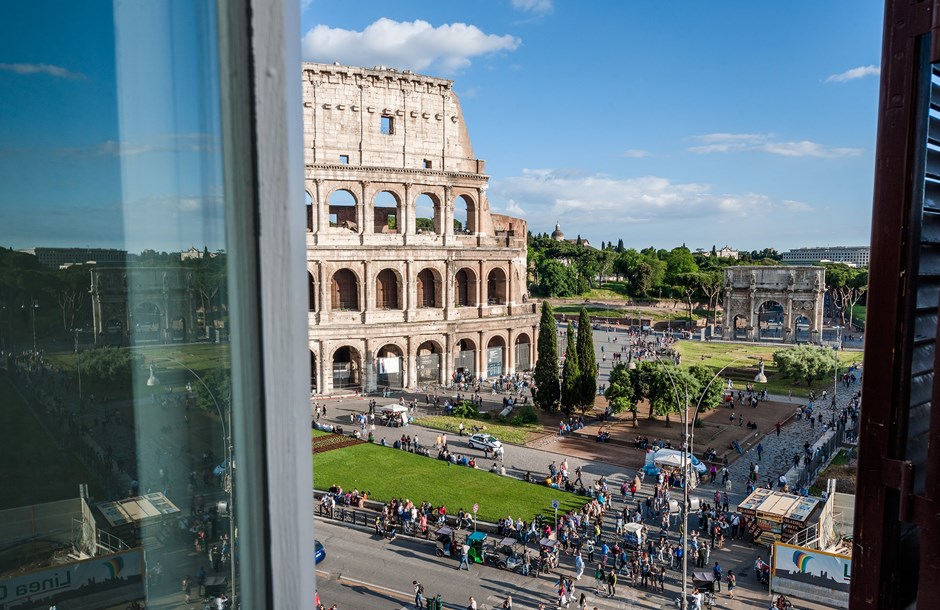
x: 557, y: 234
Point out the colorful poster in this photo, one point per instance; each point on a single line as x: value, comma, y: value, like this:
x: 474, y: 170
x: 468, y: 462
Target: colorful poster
x: 827, y: 570
x: 74, y: 580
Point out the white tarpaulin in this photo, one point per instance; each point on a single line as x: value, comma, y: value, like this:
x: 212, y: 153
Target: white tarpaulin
x: 394, y: 409
x: 388, y: 366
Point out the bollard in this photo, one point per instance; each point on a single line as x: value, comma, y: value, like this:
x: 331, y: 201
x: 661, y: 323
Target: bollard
x: 438, y: 603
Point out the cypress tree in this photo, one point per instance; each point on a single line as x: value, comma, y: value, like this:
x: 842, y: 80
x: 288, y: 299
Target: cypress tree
x: 586, y: 360
x: 546, y: 380
x: 571, y: 375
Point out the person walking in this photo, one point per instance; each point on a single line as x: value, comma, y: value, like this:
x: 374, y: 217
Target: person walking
x: 473, y: 604
x: 732, y: 581
x: 599, y: 579
x: 464, y: 558
x: 760, y: 451
x: 716, y: 570
x: 419, y: 594
x: 612, y: 583
x: 578, y: 565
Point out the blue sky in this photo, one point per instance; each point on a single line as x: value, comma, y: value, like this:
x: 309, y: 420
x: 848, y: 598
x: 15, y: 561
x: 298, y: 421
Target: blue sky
x: 743, y: 123
x: 746, y: 123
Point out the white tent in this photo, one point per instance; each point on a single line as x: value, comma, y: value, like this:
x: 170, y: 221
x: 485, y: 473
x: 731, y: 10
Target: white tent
x: 394, y: 408
x: 669, y: 460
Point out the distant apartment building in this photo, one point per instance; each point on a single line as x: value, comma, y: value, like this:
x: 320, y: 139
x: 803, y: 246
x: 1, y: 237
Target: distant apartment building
x: 851, y: 255
x: 57, y: 257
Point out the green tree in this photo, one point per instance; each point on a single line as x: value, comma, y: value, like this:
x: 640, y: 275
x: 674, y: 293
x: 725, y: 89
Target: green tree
x: 109, y: 369
x: 620, y: 390
x: 547, y: 389
x: 805, y: 362
x: 586, y: 360
x: 712, y: 389
x: 679, y: 262
x: 216, y: 394
x: 570, y: 375
x: 555, y: 279
x: 671, y: 388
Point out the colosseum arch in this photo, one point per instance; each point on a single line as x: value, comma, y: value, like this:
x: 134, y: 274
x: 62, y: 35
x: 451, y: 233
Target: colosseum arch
x: 387, y: 213
x: 313, y: 372
x: 430, y: 288
x: 523, y: 352
x: 347, y: 368
x: 428, y: 357
x: 465, y: 287
x: 428, y: 214
x: 344, y: 210
x: 496, y: 356
x: 345, y: 291
x: 389, y: 290
x: 465, y: 212
x: 390, y: 366
x: 497, y: 287
x: 465, y: 358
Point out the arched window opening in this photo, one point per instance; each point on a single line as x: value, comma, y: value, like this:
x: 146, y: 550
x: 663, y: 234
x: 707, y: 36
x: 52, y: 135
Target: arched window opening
x: 386, y: 290
x: 496, y: 287
x: 343, y: 211
x: 465, y: 288
x: 345, y: 291
x: 386, y: 216
x: 427, y: 214
x: 428, y: 289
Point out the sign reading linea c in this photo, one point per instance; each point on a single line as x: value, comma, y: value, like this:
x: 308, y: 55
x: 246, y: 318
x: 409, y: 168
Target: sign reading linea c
x: 76, y: 579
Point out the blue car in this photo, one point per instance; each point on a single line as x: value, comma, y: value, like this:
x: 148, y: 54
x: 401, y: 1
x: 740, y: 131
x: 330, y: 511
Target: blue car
x: 319, y: 554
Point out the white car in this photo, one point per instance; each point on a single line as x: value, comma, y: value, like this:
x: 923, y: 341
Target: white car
x: 481, y: 441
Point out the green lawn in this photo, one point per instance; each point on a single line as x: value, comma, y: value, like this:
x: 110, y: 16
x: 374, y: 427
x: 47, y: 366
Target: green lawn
x: 388, y: 473
x: 510, y: 434
x: 718, y: 355
x: 201, y: 357
x: 34, y: 469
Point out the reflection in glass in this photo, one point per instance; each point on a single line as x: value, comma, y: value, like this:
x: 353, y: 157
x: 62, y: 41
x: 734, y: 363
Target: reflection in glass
x: 114, y: 355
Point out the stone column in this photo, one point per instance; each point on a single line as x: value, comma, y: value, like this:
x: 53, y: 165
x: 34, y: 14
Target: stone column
x: 410, y: 362
x: 789, y: 337
x: 326, y: 303
x: 366, y: 227
x: 447, y: 214
x: 481, y: 289
x: 368, y: 291
x: 481, y: 356
x: 406, y: 224
x: 364, y: 213
x: 410, y: 286
x: 447, y: 290
x: 511, y: 353
x: 369, y: 366
x: 447, y: 359
x: 325, y: 383
x: 323, y: 207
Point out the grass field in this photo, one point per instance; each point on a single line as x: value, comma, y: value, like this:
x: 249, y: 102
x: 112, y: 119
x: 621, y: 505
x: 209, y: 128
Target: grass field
x: 201, y: 357
x: 34, y: 470
x: 509, y: 434
x: 386, y: 473
x: 718, y: 355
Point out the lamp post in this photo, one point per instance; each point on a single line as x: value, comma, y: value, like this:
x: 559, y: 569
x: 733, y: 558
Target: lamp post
x: 688, y: 441
x: 227, y: 481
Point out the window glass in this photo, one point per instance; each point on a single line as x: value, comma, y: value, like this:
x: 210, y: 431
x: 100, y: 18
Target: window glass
x: 114, y: 318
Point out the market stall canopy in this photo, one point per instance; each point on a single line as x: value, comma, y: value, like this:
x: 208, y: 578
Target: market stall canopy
x: 395, y: 408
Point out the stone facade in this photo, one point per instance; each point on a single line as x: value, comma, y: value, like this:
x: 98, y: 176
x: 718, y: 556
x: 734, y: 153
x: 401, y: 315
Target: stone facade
x: 411, y: 278
x: 774, y: 304
x: 142, y: 305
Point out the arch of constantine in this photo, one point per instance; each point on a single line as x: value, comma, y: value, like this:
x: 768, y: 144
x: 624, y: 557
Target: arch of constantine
x: 411, y: 279
x: 774, y: 304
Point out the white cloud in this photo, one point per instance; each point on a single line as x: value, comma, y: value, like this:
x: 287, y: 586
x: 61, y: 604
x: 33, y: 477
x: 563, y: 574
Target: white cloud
x: 513, y: 209
x: 609, y: 199
x: 635, y: 153
x: 539, y: 7
x: 47, y: 69
x: 406, y: 45
x: 853, y: 74
x: 744, y: 142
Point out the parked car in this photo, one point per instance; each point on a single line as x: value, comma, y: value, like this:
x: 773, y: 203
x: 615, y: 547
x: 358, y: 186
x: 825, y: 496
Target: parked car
x: 479, y: 441
x: 319, y: 554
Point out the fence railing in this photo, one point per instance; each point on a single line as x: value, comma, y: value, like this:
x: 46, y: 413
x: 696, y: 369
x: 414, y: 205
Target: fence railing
x: 808, y: 471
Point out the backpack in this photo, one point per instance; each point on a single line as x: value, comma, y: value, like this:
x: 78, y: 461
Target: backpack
x: 420, y: 589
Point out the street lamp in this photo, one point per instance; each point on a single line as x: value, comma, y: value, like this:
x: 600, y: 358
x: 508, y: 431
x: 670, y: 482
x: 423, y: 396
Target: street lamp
x: 227, y: 481
x: 689, y: 436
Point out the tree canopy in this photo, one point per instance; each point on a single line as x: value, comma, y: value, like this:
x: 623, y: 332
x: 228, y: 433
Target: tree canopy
x: 805, y: 362
x: 587, y: 361
x: 547, y: 391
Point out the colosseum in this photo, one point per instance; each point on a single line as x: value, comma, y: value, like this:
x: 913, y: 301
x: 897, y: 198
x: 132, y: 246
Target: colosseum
x: 412, y: 280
